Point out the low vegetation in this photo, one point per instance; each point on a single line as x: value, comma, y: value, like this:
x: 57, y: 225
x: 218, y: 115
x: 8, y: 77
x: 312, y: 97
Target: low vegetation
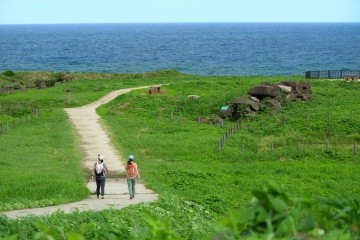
x: 299, y: 166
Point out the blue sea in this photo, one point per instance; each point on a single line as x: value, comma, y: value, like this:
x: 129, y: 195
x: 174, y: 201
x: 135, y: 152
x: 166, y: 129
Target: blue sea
x: 194, y: 48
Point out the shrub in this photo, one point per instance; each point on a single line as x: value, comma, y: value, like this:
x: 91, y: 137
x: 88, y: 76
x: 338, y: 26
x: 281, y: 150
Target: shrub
x: 8, y: 73
x: 274, y: 215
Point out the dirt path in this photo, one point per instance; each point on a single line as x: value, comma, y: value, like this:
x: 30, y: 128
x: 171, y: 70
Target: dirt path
x: 95, y: 140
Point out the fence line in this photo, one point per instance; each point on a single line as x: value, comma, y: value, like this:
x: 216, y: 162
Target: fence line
x: 328, y: 120
x: 327, y: 147
x: 232, y: 130
x: 8, y: 107
x: 4, y: 127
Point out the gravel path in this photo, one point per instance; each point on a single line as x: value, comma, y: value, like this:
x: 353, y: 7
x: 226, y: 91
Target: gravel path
x: 95, y: 140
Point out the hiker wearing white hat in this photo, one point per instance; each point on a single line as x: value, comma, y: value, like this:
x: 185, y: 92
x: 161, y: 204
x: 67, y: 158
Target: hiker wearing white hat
x: 100, y: 171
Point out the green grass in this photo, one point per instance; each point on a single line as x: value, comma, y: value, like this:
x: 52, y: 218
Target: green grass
x: 178, y: 157
x: 41, y: 163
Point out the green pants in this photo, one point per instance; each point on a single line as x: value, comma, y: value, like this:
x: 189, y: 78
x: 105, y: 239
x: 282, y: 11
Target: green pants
x: 131, y: 186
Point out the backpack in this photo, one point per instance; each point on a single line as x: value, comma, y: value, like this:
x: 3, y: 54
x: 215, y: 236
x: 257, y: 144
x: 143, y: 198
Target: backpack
x: 99, y: 169
x: 131, y: 170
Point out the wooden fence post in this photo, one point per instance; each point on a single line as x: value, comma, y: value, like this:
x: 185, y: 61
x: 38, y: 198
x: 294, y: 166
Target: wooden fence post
x: 14, y: 123
x: 172, y: 114
x: 243, y: 151
x: 20, y: 120
x: 355, y: 150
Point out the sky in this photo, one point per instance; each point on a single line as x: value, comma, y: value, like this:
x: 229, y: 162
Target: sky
x: 174, y: 11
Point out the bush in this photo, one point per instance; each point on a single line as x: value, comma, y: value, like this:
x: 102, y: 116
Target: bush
x: 8, y: 73
x: 274, y: 215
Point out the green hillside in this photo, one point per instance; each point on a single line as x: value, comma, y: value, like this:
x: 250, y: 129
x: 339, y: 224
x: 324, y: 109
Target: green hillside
x: 306, y: 151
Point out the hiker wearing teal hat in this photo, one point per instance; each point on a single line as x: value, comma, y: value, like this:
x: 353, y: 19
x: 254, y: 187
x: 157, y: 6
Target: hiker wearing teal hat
x: 132, y: 173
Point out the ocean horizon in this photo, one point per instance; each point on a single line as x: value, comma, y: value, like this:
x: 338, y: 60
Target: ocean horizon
x: 195, y: 48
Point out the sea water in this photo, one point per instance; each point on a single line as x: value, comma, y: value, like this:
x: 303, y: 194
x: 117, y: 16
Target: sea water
x: 195, y: 48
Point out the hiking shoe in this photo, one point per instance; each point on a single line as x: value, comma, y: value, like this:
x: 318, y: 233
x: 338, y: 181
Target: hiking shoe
x: 97, y: 196
x: 102, y: 197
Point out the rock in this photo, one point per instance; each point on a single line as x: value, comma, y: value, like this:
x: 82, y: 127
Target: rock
x: 297, y: 86
x: 40, y: 84
x: 272, y: 104
x: 192, y: 97
x: 218, y: 120
x: 255, y: 99
x: 285, y: 89
x: 244, y: 101
x: 270, y: 96
x: 263, y: 91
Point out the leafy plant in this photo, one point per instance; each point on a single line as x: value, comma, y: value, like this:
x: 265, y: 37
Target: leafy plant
x: 273, y: 215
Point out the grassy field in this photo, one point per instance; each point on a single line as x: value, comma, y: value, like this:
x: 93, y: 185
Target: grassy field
x: 308, y: 148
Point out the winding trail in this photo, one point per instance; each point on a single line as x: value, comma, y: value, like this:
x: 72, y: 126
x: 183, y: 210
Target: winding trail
x: 95, y: 140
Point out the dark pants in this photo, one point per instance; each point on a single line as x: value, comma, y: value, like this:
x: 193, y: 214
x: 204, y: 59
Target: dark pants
x: 100, y: 186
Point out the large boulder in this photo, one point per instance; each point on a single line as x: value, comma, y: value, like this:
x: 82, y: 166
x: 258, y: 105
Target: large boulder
x: 247, y: 102
x: 297, y: 86
x: 285, y: 89
x: 273, y: 104
x: 268, y: 96
x: 263, y: 91
x: 300, y: 96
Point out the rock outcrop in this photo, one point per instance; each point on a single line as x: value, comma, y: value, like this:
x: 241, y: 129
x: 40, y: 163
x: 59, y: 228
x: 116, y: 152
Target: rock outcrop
x: 267, y: 96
